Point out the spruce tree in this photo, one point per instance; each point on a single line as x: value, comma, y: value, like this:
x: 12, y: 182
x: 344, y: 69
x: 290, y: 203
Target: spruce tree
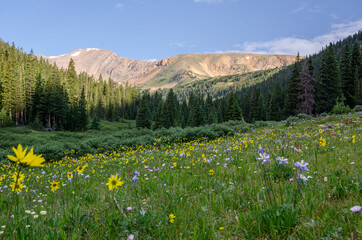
x: 83, y: 116
x: 357, y: 73
x: 291, y: 101
x: 328, y: 86
x: 347, y: 77
x: 142, y: 119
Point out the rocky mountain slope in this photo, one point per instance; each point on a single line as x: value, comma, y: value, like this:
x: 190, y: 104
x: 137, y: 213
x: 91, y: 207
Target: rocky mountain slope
x: 168, y: 72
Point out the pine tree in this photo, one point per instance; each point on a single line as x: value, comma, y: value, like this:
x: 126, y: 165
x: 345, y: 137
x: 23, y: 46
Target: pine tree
x: 72, y: 81
x: 143, y: 118
x: 307, y: 91
x: 357, y: 73
x: 83, y: 116
x: 347, y: 77
x: 328, y: 86
x: 158, y: 123
x: 95, y: 125
x: 291, y: 101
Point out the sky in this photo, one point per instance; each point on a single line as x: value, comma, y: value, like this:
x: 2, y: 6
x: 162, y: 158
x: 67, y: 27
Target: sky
x: 157, y: 29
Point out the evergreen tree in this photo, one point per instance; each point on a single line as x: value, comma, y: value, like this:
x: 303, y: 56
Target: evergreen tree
x: 143, y: 118
x: 328, y: 86
x: 158, y: 123
x: 357, y: 73
x: 95, y: 125
x: 347, y: 77
x: 83, y: 116
x: 291, y: 101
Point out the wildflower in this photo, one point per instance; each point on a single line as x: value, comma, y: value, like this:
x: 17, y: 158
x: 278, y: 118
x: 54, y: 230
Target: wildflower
x: 172, y: 218
x: 174, y: 164
x: 129, y: 209
x: 80, y: 169
x: 263, y: 157
x: 16, y: 186
x: 36, y: 216
x: 221, y: 228
x: 113, y: 182
x: 1, y: 233
x: 70, y: 175
x: 3, y: 227
x: 27, y: 211
x: 320, y: 130
x: 131, y: 237
x: 54, y: 186
x: 43, y: 213
x: 353, y: 139
x: 134, y: 179
x: 211, y: 172
x: 325, y: 179
x: 322, y: 142
x: 356, y: 209
x: 282, y: 160
x: 260, y: 149
x: 29, y: 159
x: 303, y: 178
x: 302, y: 165
x: 18, y: 176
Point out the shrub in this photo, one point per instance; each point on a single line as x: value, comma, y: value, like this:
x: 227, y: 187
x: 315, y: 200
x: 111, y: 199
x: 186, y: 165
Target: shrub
x: 304, y: 116
x: 357, y: 108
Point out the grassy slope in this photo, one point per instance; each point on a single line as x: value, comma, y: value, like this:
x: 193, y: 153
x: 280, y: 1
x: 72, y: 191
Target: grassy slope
x: 229, y: 203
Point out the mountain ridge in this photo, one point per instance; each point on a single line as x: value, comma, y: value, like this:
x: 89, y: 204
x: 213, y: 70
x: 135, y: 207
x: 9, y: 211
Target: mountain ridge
x: 168, y: 72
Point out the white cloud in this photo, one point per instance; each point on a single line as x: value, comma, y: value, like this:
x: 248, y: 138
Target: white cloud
x: 176, y: 44
x: 119, y: 5
x: 208, y: 1
x: 292, y: 45
x: 305, y: 7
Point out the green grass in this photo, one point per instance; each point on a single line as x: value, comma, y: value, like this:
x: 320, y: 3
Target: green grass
x: 232, y: 203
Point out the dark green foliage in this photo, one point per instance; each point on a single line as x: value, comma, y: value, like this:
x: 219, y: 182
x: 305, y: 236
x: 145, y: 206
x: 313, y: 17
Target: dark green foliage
x: 328, y: 86
x: 95, y: 125
x: 347, y: 77
x: 143, y: 116
x: 293, y: 90
x: 233, y: 111
x: 340, y: 108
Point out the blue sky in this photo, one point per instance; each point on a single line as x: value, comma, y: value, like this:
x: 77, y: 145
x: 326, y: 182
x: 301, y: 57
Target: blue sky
x: 156, y: 29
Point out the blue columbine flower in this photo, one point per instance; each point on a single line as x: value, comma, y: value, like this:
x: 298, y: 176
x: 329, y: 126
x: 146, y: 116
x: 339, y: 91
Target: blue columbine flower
x: 303, y: 178
x: 302, y: 165
x: 263, y: 157
x: 282, y: 160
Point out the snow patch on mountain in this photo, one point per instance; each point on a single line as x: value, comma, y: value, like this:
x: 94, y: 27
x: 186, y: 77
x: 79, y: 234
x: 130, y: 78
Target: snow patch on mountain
x: 75, y: 54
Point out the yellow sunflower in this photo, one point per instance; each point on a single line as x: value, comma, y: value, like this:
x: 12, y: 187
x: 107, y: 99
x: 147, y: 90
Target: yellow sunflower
x: 16, y: 187
x: 29, y: 159
x: 113, y: 182
x: 54, y: 186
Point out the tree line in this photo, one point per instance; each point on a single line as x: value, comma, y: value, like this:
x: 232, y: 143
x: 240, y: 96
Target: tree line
x: 313, y: 85
x: 34, y: 92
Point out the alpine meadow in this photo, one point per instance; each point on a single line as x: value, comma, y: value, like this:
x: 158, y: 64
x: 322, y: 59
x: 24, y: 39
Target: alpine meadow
x: 259, y: 140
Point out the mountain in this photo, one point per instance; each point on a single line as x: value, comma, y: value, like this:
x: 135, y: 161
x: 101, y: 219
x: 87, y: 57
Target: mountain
x: 169, y: 72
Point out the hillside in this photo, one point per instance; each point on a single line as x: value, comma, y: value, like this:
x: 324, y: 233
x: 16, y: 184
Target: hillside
x: 169, y: 72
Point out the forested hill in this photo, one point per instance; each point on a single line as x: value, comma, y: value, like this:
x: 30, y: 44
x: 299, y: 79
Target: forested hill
x: 329, y: 81
x: 34, y: 92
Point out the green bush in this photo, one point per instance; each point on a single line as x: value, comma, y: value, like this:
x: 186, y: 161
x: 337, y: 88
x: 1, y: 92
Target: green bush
x: 357, y: 108
x: 304, y: 116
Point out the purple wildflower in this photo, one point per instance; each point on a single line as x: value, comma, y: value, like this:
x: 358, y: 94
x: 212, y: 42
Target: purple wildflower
x: 263, y: 157
x: 282, y: 160
x: 302, y: 165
